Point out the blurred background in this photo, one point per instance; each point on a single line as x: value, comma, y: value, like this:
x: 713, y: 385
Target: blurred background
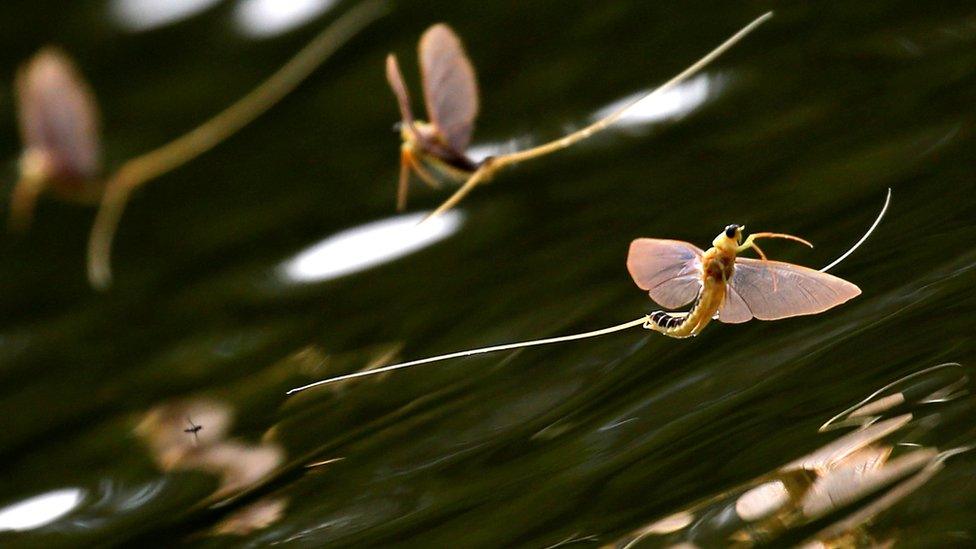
x: 277, y: 259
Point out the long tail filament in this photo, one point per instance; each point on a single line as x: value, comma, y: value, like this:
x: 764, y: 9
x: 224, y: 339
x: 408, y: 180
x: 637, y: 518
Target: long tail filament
x: 487, y: 170
x: 507, y: 347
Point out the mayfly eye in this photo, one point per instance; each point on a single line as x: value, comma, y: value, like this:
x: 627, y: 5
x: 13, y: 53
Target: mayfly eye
x: 398, y: 126
x: 731, y: 231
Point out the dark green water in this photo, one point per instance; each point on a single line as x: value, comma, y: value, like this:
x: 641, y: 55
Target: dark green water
x: 804, y: 126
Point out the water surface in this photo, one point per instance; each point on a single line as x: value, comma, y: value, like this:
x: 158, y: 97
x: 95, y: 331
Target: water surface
x: 628, y: 438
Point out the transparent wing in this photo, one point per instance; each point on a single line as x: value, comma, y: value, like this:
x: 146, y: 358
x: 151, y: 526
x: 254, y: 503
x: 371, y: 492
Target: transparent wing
x: 734, y: 310
x: 395, y: 78
x: 58, y: 115
x: 450, y: 88
x: 770, y: 290
x: 670, y: 270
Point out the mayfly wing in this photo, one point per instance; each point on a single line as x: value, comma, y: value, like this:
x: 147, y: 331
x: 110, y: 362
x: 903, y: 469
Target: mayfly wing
x: 670, y: 270
x: 58, y: 115
x: 734, y: 310
x: 395, y: 78
x: 450, y: 87
x: 770, y: 290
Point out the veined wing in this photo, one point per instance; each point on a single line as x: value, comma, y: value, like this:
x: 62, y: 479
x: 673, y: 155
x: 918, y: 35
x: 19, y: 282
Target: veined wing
x: 450, y: 88
x: 58, y: 114
x: 395, y: 78
x: 670, y: 270
x: 770, y: 290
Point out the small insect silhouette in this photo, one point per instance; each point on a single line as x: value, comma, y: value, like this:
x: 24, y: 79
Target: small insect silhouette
x: 193, y: 428
x: 59, y: 126
x: 720, y: 284
x: 437, y: 149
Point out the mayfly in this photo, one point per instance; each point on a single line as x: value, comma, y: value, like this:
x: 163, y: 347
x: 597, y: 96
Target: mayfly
x: 59, y: 126
x: 451, y: 95
x: 719, y: 284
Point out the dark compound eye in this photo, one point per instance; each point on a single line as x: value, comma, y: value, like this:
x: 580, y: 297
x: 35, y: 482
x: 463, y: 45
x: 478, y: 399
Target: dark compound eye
x: 731, y: 230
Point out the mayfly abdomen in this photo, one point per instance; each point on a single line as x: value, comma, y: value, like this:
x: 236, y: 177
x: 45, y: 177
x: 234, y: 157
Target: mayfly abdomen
x: 678, y: 325
x: 688, y: 324
x: 665, y: 320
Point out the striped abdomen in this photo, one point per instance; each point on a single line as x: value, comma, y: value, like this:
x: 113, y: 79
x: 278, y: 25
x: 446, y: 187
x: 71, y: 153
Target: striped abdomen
x: 701, y: 313
x: 677, y: 324
x: 666, y: 320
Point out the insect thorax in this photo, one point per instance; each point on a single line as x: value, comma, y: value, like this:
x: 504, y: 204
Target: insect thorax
x: 718, y: 265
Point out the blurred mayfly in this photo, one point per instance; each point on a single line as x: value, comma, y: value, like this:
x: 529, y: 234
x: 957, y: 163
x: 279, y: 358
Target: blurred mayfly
x: 60, y: 129
x: 726, y: 287
x: 59, y: 126
x: 719, y: 285
x: 451, y: 95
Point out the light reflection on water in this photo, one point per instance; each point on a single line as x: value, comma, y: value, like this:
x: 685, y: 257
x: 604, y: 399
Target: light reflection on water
x: 480, y: 151
x: 640, y: 118
x: 370, y: 245
x: 266, y: 18
x: 673, y: 104
x: 40, y: 510
x: 840, y: 478
x: 143, y: 15
x: 170, y: 432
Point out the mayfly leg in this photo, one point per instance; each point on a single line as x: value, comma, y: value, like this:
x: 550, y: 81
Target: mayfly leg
x: 423, y: 173
x: 23, y: 200
x: 410, y: 162
x: 403, y: 183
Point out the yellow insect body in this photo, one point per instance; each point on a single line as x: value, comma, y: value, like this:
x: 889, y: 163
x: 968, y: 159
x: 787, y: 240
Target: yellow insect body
x: 721, y: 285
x: 415, y: 155
x: 718, y: 265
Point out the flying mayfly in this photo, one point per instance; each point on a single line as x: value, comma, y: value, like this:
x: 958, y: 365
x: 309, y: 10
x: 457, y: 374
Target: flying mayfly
x: 722, y: 285
x: 718, y: 283
x: 451, y: 95
x: 62, y: 149
x: 436, y: 150
x: 59, y: 126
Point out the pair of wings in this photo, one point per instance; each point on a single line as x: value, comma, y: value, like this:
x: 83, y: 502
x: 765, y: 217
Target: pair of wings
x: 671, y: 272
x: 450, y: 88
x: 58, y: 115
